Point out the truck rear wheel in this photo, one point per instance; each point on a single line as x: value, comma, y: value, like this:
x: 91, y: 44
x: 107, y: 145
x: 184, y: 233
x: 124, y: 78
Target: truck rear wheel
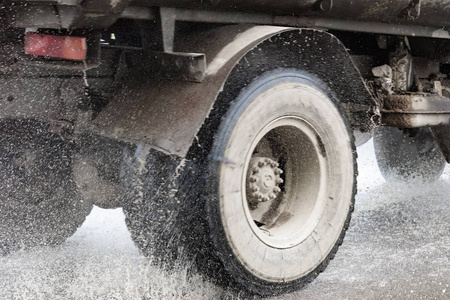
x: 405, y: 157
x: 281, y: 182
x: 39, y: 202
x: 266, y: 201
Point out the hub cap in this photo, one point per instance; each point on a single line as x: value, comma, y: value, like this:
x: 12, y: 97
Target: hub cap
x: 264, y: 180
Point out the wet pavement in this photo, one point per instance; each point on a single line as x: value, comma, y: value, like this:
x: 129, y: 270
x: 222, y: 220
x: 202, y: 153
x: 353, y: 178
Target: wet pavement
x: 397, y: 247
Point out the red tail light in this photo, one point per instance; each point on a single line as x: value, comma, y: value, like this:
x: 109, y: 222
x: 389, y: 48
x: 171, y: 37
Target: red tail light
x: 65, y: 47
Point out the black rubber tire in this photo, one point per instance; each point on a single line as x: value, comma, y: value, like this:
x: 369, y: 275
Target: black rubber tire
x: 174, y: 207
x: 39, y: 202
x: 160, y: 202
x: 401, y: 157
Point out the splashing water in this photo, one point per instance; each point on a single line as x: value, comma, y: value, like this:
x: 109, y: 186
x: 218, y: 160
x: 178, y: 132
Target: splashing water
x: 397, y: 247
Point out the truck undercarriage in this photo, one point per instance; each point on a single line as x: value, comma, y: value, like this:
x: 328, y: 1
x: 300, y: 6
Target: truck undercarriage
x: 225, y: 129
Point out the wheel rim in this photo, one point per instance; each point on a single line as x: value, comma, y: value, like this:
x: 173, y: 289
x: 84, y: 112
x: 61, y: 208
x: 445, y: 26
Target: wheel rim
x: 284, y: 177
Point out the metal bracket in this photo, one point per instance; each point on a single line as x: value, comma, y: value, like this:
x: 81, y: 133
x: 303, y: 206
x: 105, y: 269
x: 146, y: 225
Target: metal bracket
x: 175, y: 66
x: 168, y: 18
x: 415, y: 110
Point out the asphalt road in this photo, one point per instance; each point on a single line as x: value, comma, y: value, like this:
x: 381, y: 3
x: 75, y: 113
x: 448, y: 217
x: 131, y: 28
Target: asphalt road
x: 397, y: 247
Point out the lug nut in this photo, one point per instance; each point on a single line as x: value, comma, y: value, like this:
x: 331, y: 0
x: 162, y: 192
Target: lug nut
x: 253, y: 179
x: 255, y: 189
x: 276, y: 189
x: 279, y: 181
x: 278, y: 171
x: 256, y: 195
x: 272, y: 196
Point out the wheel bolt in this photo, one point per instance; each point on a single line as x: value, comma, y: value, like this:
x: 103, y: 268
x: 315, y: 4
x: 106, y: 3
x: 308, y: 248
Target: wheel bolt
x: 272, y: 196
x: 253, y: 179
x: 278, y: 171
x: 279, y: 181
x: 276, y: 189
x: 256, y: 195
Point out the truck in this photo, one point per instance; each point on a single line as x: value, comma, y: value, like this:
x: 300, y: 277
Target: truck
x: 226, y: 129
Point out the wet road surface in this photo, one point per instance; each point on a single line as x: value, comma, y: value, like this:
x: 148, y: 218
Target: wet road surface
x: 397, y: 247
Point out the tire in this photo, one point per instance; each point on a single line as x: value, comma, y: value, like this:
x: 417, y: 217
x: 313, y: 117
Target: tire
x: 159, y: 206
x: 281, y: 243
x: 199, y: 209
x: 39, y: 203
x: 407, y: 158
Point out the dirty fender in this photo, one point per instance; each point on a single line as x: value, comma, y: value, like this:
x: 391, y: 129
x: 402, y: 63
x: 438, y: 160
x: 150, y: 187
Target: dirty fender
x: 168, y: 114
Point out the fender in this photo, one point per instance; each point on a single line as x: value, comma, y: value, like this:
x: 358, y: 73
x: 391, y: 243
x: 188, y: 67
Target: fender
x: 167, y: 115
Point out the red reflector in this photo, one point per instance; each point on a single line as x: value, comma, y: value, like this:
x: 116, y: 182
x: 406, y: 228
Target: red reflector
x: 65, y: 47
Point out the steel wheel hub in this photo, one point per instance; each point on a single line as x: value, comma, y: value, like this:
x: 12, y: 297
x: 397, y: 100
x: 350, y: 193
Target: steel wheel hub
x: 264, y: 180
